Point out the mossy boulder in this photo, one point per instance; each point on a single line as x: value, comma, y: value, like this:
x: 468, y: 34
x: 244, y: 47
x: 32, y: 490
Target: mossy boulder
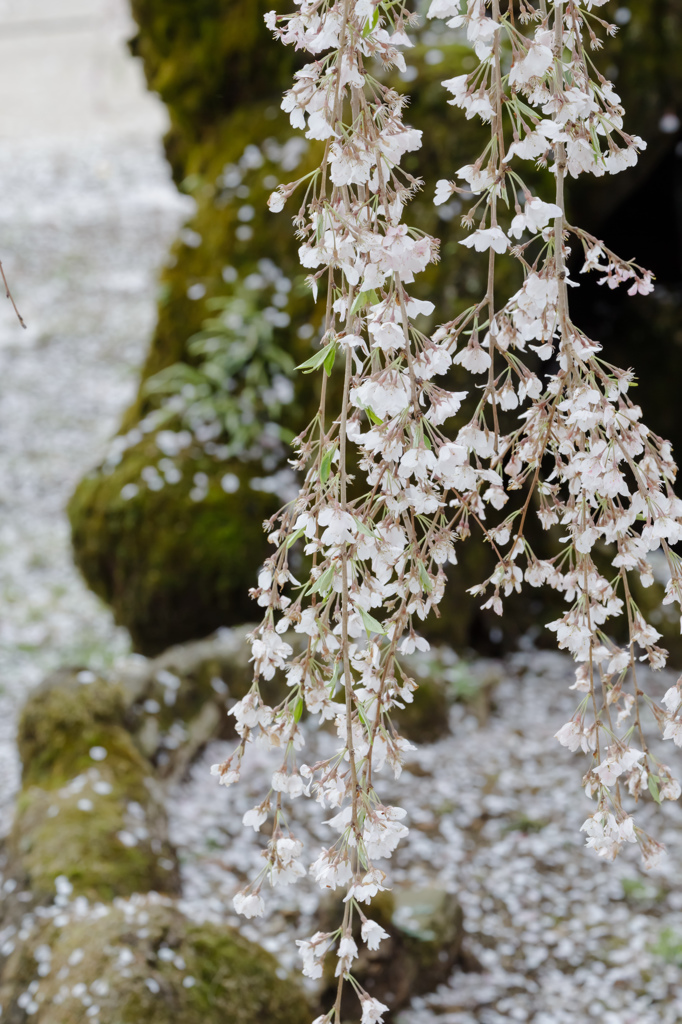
x: 447, y: 679
x: 173, y: 559
x: 425, y: 942
x: 174, y: 563
x: 173, y: 568
x: 442, y: 680
x: 179, y: 700
x: 143, y: 960
x: 89, y: 809
x: 206, y: 58
x: 170, y: 568
x: 68, y: 714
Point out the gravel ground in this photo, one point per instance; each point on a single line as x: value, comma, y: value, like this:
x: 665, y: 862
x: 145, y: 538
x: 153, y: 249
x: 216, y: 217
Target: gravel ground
x: 84, y: 228
x: 495, y: 813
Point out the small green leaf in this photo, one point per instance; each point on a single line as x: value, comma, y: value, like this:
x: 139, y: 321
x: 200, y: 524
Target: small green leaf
x: 525, y: 109
x: 364, y: 299
x: 329, y: 360
x: 364, y: 530
x: 326, y: 464
x: 371, y: 24
x: 324, y: 582
x: 372, y: 416
x: 426, y: 581
x: 371, y: 624
x: 318, y: 359
x: 653, y: 788
x: 298, y: 710
x: 294, y: 537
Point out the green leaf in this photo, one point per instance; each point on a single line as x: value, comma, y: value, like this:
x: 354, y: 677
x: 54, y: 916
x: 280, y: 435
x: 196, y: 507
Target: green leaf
x: 318, y: 359
x: 326, y: 464
x: 298, y: 710
x: 363, y: 719
x: 372, y: 416
x: 525, y: 109
x: 365, y: 530
x: 653, y: 788
x: 371, y: 24
x: 324, y: 582
x: 364, y: 299
x: 426, y: 581
x: 294, y: 537
x: 371, y: 624
x: 329, y: 360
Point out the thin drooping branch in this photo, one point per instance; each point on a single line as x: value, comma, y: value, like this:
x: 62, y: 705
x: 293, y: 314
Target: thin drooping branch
x: 8, y: 295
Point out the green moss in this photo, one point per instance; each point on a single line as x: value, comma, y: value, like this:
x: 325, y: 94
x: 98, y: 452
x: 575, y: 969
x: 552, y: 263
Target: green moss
x: 237, y: 981
x: 116, y: 958
x: 206, y: 58
x: 73, y: 810
x: 216, y: 222
x: 54, y: 835
x: 172, y: 568
x: 62, y: 720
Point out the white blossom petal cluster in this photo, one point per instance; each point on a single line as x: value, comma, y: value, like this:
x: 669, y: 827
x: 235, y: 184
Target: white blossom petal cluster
x: 375, y: 540
x: 398, y: 468
x: 555, y: 433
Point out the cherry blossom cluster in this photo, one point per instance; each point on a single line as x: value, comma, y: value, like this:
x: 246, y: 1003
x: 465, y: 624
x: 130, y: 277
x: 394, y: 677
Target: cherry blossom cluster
x: 392, y: 479
x: 371, y: 515
x: 565, y: 442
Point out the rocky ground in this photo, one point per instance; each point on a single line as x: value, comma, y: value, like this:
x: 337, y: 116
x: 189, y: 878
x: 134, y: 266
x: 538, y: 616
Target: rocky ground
x: 495, y: 809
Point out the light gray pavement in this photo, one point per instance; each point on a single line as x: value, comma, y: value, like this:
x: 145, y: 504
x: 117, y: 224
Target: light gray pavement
x: 65, y: 72
x: 87, y: 213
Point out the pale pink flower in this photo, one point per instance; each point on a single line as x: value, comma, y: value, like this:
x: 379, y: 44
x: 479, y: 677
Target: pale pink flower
x: 372, y: 934
x: 249, y: 904
x: 372, y: 1010
x: 487, y: 238
x: 444, y: 190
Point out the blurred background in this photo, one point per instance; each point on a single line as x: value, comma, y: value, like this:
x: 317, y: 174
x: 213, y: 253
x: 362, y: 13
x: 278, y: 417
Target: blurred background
x: 144, y: 421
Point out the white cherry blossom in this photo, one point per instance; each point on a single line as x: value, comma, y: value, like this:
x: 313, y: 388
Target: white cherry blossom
x: 487, y: 238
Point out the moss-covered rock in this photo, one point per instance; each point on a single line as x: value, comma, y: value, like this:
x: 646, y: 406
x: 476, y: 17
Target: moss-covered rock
x: 90, y: 826
x: 179, y: 701
x: 441, y: 672
x: 173, y: 568
x: 142, y: 960
x: 68, y: 714
x: 89, y: 809
x: 174, y: 560
x: 170, y: 568
x: 174, y: 563
x: 205, y: 59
